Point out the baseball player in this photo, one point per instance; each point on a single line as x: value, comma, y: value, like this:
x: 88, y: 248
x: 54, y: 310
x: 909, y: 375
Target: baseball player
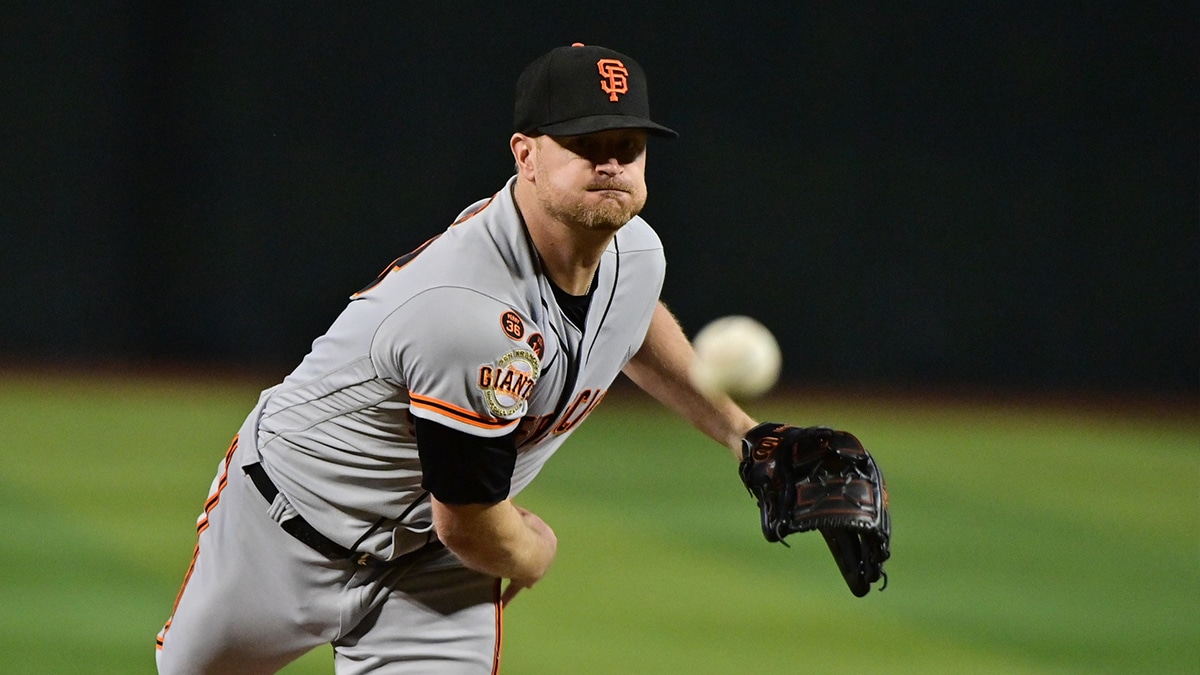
x: 367, y: 500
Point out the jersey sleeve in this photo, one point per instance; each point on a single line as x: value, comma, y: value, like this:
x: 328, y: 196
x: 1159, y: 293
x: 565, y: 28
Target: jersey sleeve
x: 462, y: 358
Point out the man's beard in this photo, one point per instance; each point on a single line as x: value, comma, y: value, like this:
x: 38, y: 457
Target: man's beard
x: 608, y: 215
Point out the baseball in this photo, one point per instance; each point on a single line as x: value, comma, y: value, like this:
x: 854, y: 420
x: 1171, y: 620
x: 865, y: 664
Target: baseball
x: 735, y: 355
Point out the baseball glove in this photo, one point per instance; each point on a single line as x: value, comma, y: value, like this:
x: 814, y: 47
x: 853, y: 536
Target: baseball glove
x: 816, y: 478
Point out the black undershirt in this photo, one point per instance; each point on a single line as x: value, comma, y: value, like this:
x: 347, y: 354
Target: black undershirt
x: 459, y: 468
x: 574, y: 307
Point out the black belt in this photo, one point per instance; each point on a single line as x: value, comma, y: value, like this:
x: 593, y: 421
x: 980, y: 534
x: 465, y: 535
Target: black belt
x: 299, y: 528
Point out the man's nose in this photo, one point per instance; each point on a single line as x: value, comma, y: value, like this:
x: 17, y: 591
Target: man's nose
x: 610, y: 166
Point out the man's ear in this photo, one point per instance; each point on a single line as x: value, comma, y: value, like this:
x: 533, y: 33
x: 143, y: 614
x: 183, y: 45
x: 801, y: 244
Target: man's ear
x: 524, y: 148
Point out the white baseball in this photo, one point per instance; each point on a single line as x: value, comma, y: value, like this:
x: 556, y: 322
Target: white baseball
x: 735, y: 355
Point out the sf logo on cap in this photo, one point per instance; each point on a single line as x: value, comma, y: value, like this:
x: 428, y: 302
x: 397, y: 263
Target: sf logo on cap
x: 616, y: 77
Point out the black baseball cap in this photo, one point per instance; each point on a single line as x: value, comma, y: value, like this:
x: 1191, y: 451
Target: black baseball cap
x: 581, y: 89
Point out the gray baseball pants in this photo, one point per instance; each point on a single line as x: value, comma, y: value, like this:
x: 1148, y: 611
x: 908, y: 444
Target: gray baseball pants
x: 255, y: 599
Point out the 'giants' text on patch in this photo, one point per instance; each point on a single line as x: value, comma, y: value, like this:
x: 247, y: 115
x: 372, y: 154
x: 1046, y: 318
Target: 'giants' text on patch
x: 508, y: 383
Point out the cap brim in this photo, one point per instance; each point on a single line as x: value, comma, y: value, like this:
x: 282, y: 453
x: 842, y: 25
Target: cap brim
x: 588, y: 125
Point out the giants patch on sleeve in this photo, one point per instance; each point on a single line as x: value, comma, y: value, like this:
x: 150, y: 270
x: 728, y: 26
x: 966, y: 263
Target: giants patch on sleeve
x: 508, y: 382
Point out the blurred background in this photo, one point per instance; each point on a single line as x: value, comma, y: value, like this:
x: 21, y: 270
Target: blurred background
x: 991, y: 195
x: 972, y: 225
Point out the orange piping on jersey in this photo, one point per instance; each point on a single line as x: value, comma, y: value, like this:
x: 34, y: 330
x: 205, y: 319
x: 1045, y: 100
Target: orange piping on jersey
x: 397, y: 264
x: 461, y: 414
x: 402, y: 261
x: 499, y: 629
x: 201, y: 526
x: 467, y: 216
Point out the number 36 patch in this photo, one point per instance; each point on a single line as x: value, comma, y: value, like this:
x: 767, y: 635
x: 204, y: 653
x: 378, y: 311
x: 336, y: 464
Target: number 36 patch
x: 507, y: 384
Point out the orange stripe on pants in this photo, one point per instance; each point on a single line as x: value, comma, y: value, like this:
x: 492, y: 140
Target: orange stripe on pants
x: 201, y: 526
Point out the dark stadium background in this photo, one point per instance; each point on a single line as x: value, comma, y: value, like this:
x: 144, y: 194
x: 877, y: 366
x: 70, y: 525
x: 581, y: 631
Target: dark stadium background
x: 985, y: 195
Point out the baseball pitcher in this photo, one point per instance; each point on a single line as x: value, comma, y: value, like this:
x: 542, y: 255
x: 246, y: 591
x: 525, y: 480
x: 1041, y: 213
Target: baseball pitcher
x: 367, y: 501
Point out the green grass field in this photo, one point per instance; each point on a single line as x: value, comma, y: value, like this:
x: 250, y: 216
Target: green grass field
x: 1027, y: 538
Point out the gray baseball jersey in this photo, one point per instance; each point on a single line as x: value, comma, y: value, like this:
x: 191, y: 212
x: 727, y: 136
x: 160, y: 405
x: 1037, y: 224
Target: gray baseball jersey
x: 465, y: 332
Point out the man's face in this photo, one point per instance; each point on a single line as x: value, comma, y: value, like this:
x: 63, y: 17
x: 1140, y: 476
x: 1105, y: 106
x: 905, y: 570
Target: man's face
x: 595, y: 181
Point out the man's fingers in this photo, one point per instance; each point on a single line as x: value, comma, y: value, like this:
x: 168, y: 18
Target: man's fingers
x: 510, y: 592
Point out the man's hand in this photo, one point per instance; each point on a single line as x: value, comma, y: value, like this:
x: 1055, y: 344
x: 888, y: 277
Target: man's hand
x: 502, y: 540
x: 538, y: 526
